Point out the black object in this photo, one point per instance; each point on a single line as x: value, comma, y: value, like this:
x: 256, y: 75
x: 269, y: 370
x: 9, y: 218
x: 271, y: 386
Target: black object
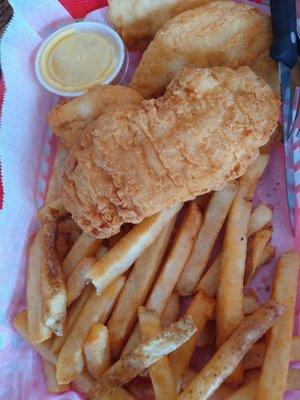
x: 285, y: 38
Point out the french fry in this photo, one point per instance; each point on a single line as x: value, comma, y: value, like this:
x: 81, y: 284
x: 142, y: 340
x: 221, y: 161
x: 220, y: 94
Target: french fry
x: 267, y: 255
x: 255, y: 252
x: 255, y: 356
x: 120, y: 258
x: 213, y: 221
x: 200, y: 310
x: 134, y: 339
x: 55, y: 207
x: 54, y: 298
x: 172, y: 267
x: 136, y: 290
x: 51, y: 383
x: 220, y: 394
x: 85, y: 246
x: 177, y: 257
x: 293, y: 380
x: 96, y: 309
x: 78, y: 279
x: 229, y: 355
x: 229, y: 308
x: 144, y: 355
x: 101, y: 252
x: 36, y: 326
x: 249, y: 389
x: 209, y: 282
x: 272, y: 380
x: 97, y: 350
x: 160, y: 372
x: 259, y: 218
x: 55, y: 182
x: 21, y: 325
x: 250, y: 305
x: 72, y: 315
x: 83, y: 382
x: 170, y: 313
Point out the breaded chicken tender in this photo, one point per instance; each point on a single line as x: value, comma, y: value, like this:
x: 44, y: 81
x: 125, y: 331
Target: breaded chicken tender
x: 220, y: 33
x: 68, y: 119
x: 137, y: 161
x: 138, y: 21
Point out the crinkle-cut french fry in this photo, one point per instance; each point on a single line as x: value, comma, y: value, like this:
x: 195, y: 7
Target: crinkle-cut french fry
x: 213, y: 221
x: 37, y: 329
x: 72, y: 315
x: 83, y: 382
x: 78, y: 279
x: 144, y: 355
x: 255, y: 252
x: 85, y: 246
x: 96, y: 309
x: 53, y: 291
x: 229, y: 308
x: 170, y: 313
x: 272, y: 380
x: 97, y: 350
x: 55, y: 182
x: 120, y: 258
x: 51, y: 383
x: 259, y: 218
x: 172, y: 268
x: 200, y: 310
x: 229, y: 355
x: 161, y: 373
x: 136, y: 289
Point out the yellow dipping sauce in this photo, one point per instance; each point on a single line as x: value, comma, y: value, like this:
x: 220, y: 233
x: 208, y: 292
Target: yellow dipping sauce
x: 74, y: 61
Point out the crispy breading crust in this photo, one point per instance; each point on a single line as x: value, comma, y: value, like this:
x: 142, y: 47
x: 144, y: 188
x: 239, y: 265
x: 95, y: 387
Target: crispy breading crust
x: 220, y: 33
x: 69, y: 118
x: 135, y: 162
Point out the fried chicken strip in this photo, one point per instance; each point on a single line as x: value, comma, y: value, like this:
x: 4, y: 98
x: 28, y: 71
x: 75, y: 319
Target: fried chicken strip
x: 137, y: 161
x: 68, y: 119
x: 138, y: 21
x: 220, y: 33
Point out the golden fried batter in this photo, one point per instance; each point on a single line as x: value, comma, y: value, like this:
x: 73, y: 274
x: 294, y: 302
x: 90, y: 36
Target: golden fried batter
x: 68, y: 119
x: 139, y: 160
x: 138, y: 21
x: 219, y: 33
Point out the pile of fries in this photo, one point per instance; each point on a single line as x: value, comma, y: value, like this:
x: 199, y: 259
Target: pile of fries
x: 102, y: 313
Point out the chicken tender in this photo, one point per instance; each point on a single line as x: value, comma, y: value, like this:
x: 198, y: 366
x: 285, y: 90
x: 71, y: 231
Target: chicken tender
x: 220, y: 33
x: 137, y: 161
x: 138, y: 21
x: 68, y: 119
